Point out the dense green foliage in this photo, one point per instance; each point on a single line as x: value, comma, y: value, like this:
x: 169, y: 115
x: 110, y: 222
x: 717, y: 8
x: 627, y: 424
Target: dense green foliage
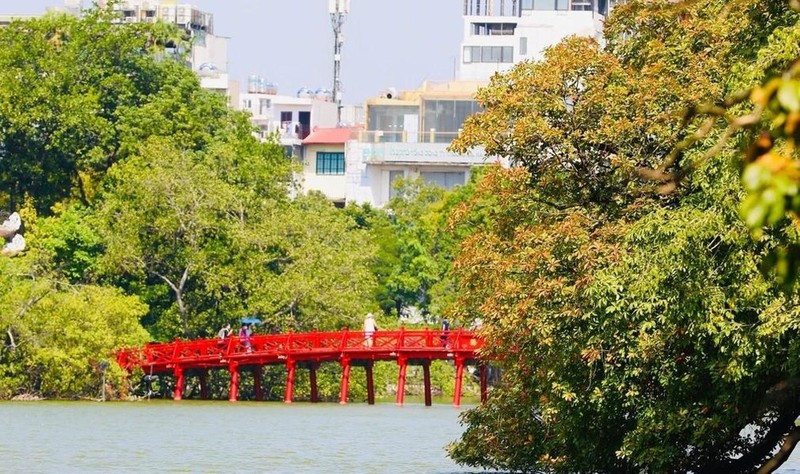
x: 617, y: 284
x: 146, y: 200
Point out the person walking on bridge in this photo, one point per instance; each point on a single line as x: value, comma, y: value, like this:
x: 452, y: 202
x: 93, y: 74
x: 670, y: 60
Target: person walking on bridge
x: 370, y: 326
x: 244, y: 336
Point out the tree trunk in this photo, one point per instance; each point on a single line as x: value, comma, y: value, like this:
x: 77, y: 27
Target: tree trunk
x: 178, y: 290
x: 789, y: 442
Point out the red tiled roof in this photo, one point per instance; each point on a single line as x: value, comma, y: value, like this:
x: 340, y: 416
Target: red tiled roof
x: 328, y: 136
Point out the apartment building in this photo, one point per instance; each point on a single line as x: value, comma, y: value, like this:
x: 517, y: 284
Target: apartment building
x: 208, y: 57
x: 291, y: 118
x: 500, y: 33
x: 406, y: 136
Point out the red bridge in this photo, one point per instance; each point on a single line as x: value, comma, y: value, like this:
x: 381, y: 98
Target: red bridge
x: 308, y: 350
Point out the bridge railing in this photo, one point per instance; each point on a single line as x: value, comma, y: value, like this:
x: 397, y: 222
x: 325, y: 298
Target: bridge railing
x: 271, y: 348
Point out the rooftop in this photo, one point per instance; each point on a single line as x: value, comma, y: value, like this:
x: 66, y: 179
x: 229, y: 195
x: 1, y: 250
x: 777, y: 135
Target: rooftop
x: 329, y: 136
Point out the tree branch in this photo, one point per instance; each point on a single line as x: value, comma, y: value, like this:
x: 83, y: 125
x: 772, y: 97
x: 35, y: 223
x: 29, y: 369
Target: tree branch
x: 780, y: 399
x: 789, y: 442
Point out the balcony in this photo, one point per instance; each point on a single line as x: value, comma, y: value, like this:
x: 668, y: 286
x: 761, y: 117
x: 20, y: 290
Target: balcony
x: 404, y: 136
x: 409, y: 153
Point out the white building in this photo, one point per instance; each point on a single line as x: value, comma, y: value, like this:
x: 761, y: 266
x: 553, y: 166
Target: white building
x: 324, y: 162
x: 292, y: 118
x: 209, y: 54
x: 501, y: 33
x: 407, y: 136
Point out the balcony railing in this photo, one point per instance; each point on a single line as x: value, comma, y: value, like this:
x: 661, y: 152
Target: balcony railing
x: 404, y: 136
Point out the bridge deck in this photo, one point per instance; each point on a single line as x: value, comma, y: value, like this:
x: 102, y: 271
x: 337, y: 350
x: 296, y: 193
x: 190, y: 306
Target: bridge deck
x: 406, y: 347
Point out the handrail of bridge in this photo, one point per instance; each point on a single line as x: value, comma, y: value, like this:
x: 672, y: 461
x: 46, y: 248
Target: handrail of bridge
x: 309, y: 346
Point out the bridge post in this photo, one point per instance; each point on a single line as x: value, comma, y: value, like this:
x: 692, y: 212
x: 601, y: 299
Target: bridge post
x: 484, y: 382
x: 259, y: 391
x: 287, y: 397
x: 233, y: 394
x: 401, y: 381
x: 312, y: 375
x: 426, y: 372
x: 370, y: 383
x: 177, y: 394
x: 459, y: 380
x: 345, y: 380
x: 204, y: 384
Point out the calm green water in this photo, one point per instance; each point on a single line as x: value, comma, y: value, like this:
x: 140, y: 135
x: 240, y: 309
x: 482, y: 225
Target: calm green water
x: 219, y: 436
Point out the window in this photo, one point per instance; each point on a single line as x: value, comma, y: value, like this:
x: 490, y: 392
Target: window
x: 394, y: 175
x: 389, y: 119
x: 329, y: 163
x: 523, y: 46
x: 488, y: 54
x: 263, y: 106
x: 446, y: 116
x: 493, y: 29
x: 582, y: 5
x: 550, y: 5
x: 286, y: 117
x: 444, y: 179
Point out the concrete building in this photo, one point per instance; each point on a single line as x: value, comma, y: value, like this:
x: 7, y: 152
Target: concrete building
x: 406, y: 136
x: 291, y: 118
x: 209, y: 54
x: 324, y: 162
x: 501, y: 33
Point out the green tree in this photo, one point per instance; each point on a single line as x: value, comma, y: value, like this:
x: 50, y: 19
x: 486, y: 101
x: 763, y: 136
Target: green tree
x: 415, y: 245
x: 634, y: 327
x: 74, y: 99
x: 57, y: 334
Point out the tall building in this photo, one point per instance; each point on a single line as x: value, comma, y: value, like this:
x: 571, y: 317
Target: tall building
x: 500, y: 33
x: 407, y: 133
x: 406, y: 136
x: 290, y: 118
x: 209, y: 53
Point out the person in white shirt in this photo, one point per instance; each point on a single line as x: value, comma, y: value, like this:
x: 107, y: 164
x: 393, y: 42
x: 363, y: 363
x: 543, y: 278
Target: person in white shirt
x: 370, y: 326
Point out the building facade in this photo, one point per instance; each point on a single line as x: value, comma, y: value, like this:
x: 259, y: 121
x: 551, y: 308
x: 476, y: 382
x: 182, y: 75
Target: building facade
x: 291, y: 118
x: 500, y: 33
x: 407, y: 136
x: 208, y: 57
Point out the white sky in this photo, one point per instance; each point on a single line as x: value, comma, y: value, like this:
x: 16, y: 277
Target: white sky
x: 290, y: 42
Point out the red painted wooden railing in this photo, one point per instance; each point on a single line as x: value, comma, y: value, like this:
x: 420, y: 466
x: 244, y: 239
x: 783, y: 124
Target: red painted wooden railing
x: 406, y: 347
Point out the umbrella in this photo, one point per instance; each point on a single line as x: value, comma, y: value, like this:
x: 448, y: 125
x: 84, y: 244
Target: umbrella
x: 251, y: 320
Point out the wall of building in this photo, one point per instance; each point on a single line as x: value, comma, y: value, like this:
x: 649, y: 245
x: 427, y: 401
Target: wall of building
x: 535, y: 31
x: 333, y: 186
x: 371, y: 167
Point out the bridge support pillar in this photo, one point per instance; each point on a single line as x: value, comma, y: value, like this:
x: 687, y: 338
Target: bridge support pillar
x: 426, y: 372
x: 259, y: 391
x: 204, y: 384
x: 180, y: 380
x: 287, y: 397
x: 233, y: 393
x: 484, y: 382
x: 370, y: 383
x: 345, y: 381
x: 312, y: 376
x: 401, y: 382
x: 459, y: 380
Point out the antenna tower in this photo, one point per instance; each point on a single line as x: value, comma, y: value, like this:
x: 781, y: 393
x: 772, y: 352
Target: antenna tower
x: 338, y: 10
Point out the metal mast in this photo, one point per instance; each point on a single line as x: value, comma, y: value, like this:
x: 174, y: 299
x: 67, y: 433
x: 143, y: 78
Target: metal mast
x: 338, y: 10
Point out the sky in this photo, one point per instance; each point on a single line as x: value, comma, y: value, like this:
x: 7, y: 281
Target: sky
x: 387, y: 43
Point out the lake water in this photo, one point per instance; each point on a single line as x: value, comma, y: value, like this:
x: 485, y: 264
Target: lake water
x: 218, y: 436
